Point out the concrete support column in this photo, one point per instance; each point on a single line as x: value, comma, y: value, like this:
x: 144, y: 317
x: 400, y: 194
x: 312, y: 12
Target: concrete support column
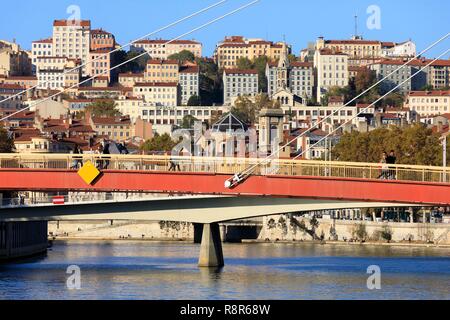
x: 211, y: 254
x: 374, y: 216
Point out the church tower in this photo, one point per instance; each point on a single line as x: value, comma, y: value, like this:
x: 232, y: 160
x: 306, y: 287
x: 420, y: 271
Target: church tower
x: 283, y: 70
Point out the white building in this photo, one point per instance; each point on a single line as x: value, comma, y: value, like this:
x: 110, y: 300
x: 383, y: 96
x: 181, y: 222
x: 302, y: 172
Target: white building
x: 71, y: 38
x: 158, y: 93
x: 41, y: 48
x: 398, y: 50
x: 160, y: 49
x: 237, y: 83
x: 189, y: 82
x: 332, y: 70
x: 428, y: 103
x: 54, y: 72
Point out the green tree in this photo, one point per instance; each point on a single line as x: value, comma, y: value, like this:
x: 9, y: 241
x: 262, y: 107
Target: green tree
x: 194, y: 101
x: 188, y: 121
x: 244, y: 63
x: 136, y: 66
x: 414, y: 145
x: 211, y: 85
x: 394, y: 99
x: 103, y: 108
x: 6, y: 142
x: 183, y: 56
x: 159, y: 143
x: 292, y: 58
x: 248, y: 110
x: 260, y: 64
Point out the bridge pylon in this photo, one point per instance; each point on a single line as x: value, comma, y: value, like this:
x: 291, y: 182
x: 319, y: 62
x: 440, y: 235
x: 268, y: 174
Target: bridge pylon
x: 211, y: 254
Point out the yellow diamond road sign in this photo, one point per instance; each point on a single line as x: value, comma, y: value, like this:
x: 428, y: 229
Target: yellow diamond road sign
x: 88, y: 172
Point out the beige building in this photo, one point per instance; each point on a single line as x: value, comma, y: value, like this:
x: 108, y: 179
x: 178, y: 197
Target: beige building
x: 99, y: 63
x: 232, y: 48
x: 130, y: 79
x: 32, y: 144
x: 101, y: 39
x: 116, y: 128
x: 158, y: 93
x: 162, y: 71
x: 428, y: 103
x: 160, y: 49
x: 13, y: 60
x: 130, y: 106
x: 71, y: 38
x: 24, y: 81
x: 331, y: 69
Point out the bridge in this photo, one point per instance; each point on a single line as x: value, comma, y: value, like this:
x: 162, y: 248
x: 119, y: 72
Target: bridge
x: 281, y: 186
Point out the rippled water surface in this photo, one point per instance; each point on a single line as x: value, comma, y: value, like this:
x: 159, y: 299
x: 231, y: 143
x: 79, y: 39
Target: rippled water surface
x: 153, y: 270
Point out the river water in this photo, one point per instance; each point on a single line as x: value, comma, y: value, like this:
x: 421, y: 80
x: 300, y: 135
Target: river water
x: 154, y: 270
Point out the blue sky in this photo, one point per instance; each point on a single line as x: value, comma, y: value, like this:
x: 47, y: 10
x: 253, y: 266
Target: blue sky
x: 300, y: 21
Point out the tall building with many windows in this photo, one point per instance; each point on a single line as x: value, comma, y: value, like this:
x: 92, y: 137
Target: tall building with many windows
x: 237, y: 83
x: 189, y: 82
x: 331, y: 70
x: 72, y: 39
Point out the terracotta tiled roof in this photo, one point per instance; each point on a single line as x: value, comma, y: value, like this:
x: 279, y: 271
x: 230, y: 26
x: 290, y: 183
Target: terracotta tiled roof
x: 241, y: 71
x: 156, y: 84
x: 159, y: 61
x: 49, y: 40
x: 189, y: 69
x: 429, y: 93
x: 65, y: 23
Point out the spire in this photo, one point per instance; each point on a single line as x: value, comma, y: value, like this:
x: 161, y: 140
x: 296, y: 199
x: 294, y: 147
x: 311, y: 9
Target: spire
x: 284, y: 59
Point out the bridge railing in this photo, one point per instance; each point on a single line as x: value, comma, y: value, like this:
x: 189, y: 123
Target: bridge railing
x: 227, y: 166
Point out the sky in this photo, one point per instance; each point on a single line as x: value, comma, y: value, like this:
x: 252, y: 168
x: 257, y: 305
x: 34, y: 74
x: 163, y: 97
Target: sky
x: 297, y: 21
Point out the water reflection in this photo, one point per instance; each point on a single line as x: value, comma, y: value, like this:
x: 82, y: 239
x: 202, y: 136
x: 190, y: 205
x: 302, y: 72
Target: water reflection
x: 151, y: 270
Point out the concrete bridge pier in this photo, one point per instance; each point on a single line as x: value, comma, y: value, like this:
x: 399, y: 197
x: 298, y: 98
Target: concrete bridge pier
x: 211, y: 254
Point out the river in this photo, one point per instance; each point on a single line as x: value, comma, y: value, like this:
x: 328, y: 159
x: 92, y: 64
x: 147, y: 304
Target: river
x: 168, y: 270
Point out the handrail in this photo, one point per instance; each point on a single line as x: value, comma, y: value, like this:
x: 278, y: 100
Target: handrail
x: 228, y: 165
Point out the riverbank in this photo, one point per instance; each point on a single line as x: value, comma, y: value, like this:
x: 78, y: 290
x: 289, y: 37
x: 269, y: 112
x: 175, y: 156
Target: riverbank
x: 256, y: 241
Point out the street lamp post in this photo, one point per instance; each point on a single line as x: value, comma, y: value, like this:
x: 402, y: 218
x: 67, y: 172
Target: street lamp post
x: 444, y: 157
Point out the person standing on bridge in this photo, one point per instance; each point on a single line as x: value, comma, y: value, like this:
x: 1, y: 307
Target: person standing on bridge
x: 391, y: 159
x: 384, y: 168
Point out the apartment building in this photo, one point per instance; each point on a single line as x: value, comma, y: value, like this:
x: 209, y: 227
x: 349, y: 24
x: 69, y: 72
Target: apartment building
x: 130, y: 79
x: 157, y: 115
x: 41, y: 48
x: 158, y: 93
x: 161, y: 49
x: 237, y: 83
x: 161, y: 71
x: 428, y: 103
x: 99, y: 63
x: 189, y: 80
x: 118, y: 129
x: 56, y: 73
x: 101, y: 39
x: 72, y: 39
x: 13, y: 60
x: 331, y: 70
x: 130, y: 106
x: 24, y: 81
x: 358, y: 48
x: 14, y: 103
x: 232, y: 48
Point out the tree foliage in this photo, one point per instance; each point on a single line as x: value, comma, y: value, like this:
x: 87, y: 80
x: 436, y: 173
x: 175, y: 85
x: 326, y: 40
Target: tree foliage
x: 183, y: 56
x: 414, y: 145
x: 6, y: 142
x: 244, y: 63
x: 210, y: 82
x: 188, y: 121
x: 194, y: 101
x: 136, y: 66
x: 159, y: 143
x: 103, y: 108
x: 248, y: 110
